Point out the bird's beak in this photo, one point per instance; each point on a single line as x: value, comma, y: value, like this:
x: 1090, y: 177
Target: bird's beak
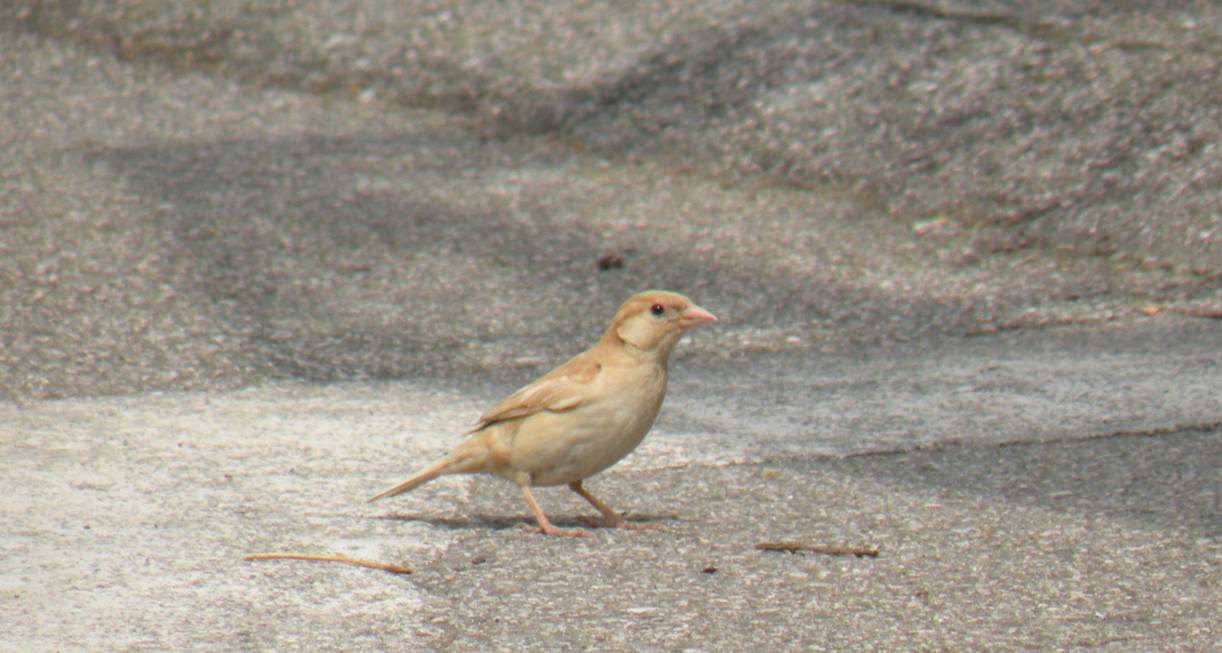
x: 695, y: 316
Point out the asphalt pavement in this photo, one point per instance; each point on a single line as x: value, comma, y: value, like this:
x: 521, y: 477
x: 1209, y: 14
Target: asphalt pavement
x: 258, y: 260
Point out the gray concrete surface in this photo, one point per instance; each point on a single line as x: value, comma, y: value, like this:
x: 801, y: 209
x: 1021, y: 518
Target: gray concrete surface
x: 259, y: 259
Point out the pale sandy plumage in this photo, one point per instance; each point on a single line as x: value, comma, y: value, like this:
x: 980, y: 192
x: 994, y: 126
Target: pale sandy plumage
x: 581, y: 417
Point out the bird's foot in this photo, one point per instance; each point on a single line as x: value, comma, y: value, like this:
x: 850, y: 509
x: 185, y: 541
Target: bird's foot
x: 562, y: 532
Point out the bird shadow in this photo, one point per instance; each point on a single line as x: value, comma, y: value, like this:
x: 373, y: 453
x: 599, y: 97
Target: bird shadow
x: 504, y: 522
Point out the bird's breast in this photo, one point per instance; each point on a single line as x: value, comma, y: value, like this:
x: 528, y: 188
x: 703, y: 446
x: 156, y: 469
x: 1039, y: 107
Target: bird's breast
x: 558, y: 448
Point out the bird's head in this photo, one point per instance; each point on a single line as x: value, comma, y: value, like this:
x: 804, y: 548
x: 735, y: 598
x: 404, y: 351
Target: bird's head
x: 652, y: 321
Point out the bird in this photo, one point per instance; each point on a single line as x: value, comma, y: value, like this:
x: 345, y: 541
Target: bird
x: 580, y: 418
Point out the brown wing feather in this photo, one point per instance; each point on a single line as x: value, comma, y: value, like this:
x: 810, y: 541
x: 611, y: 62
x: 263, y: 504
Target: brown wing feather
x: 561, y: 389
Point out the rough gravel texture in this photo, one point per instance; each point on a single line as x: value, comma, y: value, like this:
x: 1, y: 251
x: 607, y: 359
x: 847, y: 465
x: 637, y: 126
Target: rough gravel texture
x: 259, y: 259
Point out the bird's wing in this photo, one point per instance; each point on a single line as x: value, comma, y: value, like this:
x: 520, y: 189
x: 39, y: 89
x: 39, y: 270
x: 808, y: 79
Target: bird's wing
x: 564, y: 388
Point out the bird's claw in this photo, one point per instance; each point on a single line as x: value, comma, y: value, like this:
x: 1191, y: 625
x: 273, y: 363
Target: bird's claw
x: 562, y: 532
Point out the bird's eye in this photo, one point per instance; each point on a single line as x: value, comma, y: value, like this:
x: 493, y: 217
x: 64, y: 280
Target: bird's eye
x: 656, y: 309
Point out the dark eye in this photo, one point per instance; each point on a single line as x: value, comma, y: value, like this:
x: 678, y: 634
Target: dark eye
x: 657, y: 309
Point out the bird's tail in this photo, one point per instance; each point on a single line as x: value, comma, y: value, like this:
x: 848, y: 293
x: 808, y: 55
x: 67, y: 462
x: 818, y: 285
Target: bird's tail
x: 459, y: 462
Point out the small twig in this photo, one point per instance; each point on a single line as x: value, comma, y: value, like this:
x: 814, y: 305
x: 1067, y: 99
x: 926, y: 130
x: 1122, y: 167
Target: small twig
x: 794, y: 547
x: 384, y: 566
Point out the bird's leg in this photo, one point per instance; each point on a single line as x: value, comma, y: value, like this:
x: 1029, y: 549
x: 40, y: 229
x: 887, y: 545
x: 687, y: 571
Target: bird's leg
x: 545, y: 526
x: 610, y: 517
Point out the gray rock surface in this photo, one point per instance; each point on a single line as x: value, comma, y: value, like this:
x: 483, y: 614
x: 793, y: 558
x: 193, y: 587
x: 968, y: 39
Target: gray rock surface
x: 259, y: 259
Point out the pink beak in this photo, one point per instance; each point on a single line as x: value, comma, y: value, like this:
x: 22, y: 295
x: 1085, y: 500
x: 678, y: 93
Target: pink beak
x: 695, y: 316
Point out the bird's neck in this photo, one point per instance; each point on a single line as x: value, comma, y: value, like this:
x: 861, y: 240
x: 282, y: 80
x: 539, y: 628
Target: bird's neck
x: 659, y: 355
x: 615, y: 345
